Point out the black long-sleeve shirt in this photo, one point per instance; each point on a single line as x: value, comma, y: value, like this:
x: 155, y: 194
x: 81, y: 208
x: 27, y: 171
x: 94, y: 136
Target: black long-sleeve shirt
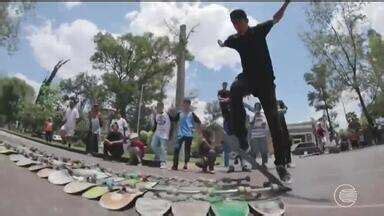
x: 253, y: 50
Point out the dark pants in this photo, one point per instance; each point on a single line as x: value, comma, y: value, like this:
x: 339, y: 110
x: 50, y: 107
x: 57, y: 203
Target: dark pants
x: 93, y: 143
x: 226, y: 147
x: 285, y: 131
x: 264, y: 89
x: 208, y: 160
x: 48, y: 136
x: 115, y: 150
x: 187, y: 150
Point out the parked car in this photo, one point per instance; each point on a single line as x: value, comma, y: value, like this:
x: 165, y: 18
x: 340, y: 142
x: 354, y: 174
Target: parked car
x: 57, y: 138
x: 309, y: 148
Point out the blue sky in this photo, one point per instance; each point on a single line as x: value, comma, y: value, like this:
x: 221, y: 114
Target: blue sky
x: 59, y: 26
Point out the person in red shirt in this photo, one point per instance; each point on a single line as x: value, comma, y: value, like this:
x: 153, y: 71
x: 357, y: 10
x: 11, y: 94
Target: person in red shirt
x: 320, y: 133
x: 136, y: 149
x: 48, y: 129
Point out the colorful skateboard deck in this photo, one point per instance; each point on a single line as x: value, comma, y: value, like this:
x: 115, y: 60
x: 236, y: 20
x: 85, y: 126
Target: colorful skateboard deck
x: 152, y: 206
x: 190, y: 208
x: 37, y: 167
x: 274, y: 207
x: 60, y: 177
x: 119, y: 199
x: 98, y: 191
x: 77, y: 187
x: 44, y: 173
x: 6, y: 151
x: 90, y: 172
x: 95, y: 192
x: 16, y: 157
x: 230, y: 208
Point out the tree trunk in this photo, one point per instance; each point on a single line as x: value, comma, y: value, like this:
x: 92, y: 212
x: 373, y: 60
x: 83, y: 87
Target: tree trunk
x: 180, y: 82
x: 371, y: 125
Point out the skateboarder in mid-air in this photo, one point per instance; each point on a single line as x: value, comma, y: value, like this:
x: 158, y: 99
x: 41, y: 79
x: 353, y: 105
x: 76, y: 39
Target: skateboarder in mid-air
x: 257, y: 79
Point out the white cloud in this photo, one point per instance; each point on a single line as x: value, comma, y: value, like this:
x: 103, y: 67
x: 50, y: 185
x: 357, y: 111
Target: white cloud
x: 375, y: 14
x: 214, y: 24
x: 30, y: 82
x: 70, y: 5
x: 72, y: 41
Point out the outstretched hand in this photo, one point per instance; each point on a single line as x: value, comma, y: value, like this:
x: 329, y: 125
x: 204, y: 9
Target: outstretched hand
x: 280, y: 13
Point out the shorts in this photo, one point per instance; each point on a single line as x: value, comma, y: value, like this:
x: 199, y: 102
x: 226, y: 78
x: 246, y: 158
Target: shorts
x: 68, y: 130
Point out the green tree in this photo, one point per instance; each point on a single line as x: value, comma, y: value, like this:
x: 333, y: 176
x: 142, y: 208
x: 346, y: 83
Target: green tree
x: 376, y: 59
x: 334, y: 38
x: 131, y: 62
x: 376, y: 82
x: 88, y: 87
x: 325, y: 95
x: 11, y: 14
x: 33, y: 115
x: 14, y: 92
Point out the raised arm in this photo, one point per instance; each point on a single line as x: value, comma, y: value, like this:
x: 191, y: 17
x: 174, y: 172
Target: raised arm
x: 279, y: 14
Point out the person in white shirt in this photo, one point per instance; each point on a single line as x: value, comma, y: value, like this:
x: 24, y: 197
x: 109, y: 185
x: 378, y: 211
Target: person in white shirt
x: 258, y: 135
x: 70, y: 119
x: 122, y: 123
x: 162, y: 127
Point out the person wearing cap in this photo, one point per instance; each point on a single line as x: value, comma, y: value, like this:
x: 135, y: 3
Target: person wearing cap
x: 136, y: 149
x: 113, y: 144
x: 257, y: 79
x: 95, y: 125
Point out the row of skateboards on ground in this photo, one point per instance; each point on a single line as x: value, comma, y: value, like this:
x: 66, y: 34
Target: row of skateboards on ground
x: 150, y: 195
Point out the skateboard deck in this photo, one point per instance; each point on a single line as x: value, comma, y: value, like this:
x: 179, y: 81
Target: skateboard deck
x: 23, y: 162
x: 44, y: 173
x: 119, y: 199
x: 90, y: 172
x: 274, y: 207
x: 232, y: 141
x: 100, y: 190
x: 60, y: 177
x: 152, y: 206
x: 37, y: 167
x: 230, y: 208
x: 77, y: 187
x: 190, y: 208
x: 6, y: 151
x: 95, y: 192
x: 16, y: 157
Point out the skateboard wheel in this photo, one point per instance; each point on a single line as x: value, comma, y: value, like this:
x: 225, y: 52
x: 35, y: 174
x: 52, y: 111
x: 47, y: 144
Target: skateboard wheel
x: 267, y: 184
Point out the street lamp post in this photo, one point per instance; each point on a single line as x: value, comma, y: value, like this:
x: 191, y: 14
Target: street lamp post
x: 139, y: 111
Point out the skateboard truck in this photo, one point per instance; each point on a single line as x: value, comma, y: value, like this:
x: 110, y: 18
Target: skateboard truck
x: 237, y: 180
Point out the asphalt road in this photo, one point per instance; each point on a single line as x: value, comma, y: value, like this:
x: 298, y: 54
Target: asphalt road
x: 314, y: 183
